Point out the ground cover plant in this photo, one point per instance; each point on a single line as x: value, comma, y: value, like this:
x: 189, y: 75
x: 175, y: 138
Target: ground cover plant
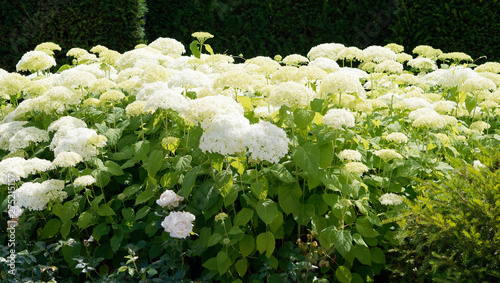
x: 157, y: 166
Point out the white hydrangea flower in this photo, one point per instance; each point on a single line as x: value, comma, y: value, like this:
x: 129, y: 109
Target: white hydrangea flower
x: 295, y: 60
x: 76, y: 140
x: 478, y: 165
x: 67, y: 159
x: 224, y: 134
x: 168, y: 46
x: 349, y: 154
x: 390, y: 199
x: 291, y: 94
x: 146, y: 90
x: 339, y: 118
x: 422, y: 64
x: 84, y: 181
x: 342, y: 82
x: 35, y: 61
x: 169, y: 198
x: 356, y: 167
x: 188, y: 78
x: 8, y: 130
x: 325, y: 64
x: 378, y: 54
x: 397, y: 137
x: 387, y: 154
x: 166, y: 99
x: 36, y: 196
x: 326, y: 50
x: 178, y: 224
x: 266, y: 142
x: 25, y: 136
x: 205, y: 108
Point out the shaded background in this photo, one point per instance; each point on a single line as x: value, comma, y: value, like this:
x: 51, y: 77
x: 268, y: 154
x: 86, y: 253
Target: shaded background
x: 250, y: 27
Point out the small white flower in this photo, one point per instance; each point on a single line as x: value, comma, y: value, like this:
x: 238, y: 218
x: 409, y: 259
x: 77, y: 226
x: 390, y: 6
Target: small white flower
x: 169, y: 198
x: 478, y: 165
x: 390, y: 199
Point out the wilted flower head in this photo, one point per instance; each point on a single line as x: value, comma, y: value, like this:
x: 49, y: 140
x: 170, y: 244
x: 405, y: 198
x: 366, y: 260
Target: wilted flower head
x: 35, y: 61
x: 178, y: 224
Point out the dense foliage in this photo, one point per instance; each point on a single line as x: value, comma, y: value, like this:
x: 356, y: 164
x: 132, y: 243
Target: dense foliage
x: 147, y: 164
x: 451, y: 232
x: 118, y: 24
x: 255, y: 27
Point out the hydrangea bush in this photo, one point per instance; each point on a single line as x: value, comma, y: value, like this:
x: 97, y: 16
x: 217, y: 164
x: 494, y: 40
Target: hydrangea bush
x: 154, y: 165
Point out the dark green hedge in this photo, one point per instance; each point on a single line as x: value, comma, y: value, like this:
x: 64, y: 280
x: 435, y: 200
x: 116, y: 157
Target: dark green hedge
x: 270, y: 27
x: 115, y: 24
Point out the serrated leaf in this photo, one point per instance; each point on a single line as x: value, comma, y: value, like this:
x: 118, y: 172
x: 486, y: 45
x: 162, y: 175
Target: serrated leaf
x: 241, y: 266
x: 113, y: 168
x: 243, y: 216
x: 169, y: 180
x: 86, y: 219
x: 51, y: 228
x: 182, y: 163
x: 113, y: 136
x: 267, y: 210
x: 288, y: 197
x: 362, y: 253
x: 280, y: 172
x: 105, y: 210
x: 189, y: 181
x: 143, y: 212
x: 266, y: 243
x: 155, y: 161
x: 223, y: 262
x: 141, y: 150
x: 365, y: 228
x: 343, y: 274
x: 307, y: 157
x: 343, y: 241
x: 303, y: 117
x: 377, y: 255
x: 247, y: 245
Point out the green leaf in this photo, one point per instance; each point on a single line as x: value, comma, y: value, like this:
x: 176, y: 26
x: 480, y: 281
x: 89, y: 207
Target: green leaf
x: 131, y: 190
x: 362, y: 253
x: 141, y: 149
x: 86, y: 219
x: 65, y: 212
x: 206, y: 195
x: 288, y: 197
x: 128, y: 214
x: 470, y: 103
x: 155, y: 161
x: 143, y: 212
x: 247, y: 245
x: 113, y: 168
x: 326, y: 156
x: 259, y: 189
x: 209, y: 49
x: 214, y: 239
x: 169, y: 180
x: 51, y: 228
x: 303, y: 117
x: 343, y: 274
x: 116, y: 240
x: 307, y: 157
x: 182, y: 163
x: 303, y: 213
x: 331, y: 199
x: 211, y: 264
x: 317, y: 105
x: 365, y: 228
x: 266, y: 243
x: 224, y: 181
x: 267, y: 210
x: 100, y: 230
x: 113, y: 136
x: 280, y: 172
x: 188, y: 183
x: 378, y: 255
x: 65, y: 229
x: 194, y: 49
x: 144, y: 196
x: 105, y: 210
x: 223, y: 262
x: 343, y: 241
x: 241, y: 266
x: 277, y: 222
x: 243, y: 216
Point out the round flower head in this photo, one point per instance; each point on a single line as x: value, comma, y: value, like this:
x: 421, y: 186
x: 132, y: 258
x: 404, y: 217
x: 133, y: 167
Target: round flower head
x: 387, y: 154
x: 395, y: 47
x: 169, y: 198
x: 266, y: 142
x: 36, y: 196
x: 390, y: 199
x: 423, y: 64
x: 84, y: 181
x: 12, y: 84
x: 339, y: 118
x: 201, y: 109
x: 326, y: 50
x: 168, y: 46
x: 291, y: 94
x: 67, y: 159
x: 97, y: 140
x: 98, y: 49
x: 492, y: 67
x: 350, y: 54
x: 397, y: 138
x: 136, y: 108
x: 342, y: 82
x: 178, y: 224
x: 479, y: 126
x: 77, y: 52
x: 166, y: 99
x: 15, y: 211
x: 378, y: 54
x: 326, y: 64
x: 349, y: 154
x: 112, y: 96
x: 389, y: 66
x: 188, y: 79
x: 201, y: 35
x: 25, y: 136
x: 35, y: 61
x: 295, y: 60
x: 356, y: 167
x: 224, y: 134
x: 47, y: 47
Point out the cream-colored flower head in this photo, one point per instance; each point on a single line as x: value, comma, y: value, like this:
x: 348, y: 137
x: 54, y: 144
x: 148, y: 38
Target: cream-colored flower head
x: 356, y: 168
x: 456, y: 57
x: 387, y: 154
x: 77, y: 52
x: 395, y: 47
x: 35, y: 61
x: 98, y: 49
x: 396, y: 138
x: 349, y: 154
x: 48, y: 48
x: 201, y: 35
x: 295, y: 60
